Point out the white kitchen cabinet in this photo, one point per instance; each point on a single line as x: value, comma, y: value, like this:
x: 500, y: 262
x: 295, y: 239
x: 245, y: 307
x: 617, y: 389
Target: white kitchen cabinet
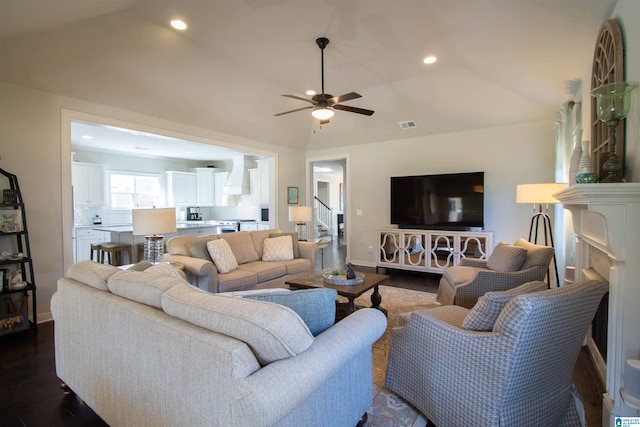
x: 85, y: 236
x: 264, y: 180
x: 430, y: 250
x: 219, y: 181
x: 205, y: 187
x: 88, y: 184
x: 182, y: 188
x: 254, y: 186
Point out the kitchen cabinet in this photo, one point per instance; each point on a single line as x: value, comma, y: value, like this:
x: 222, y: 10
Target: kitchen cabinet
x: 85, y: 236
x: 198, y: 231
x: 430, y: 250
x: 254, y: 187
x: 205, y: 186
x: 219, y: 181
x: 182, y: 188
x: 264, y: 180
x: 88, y: 184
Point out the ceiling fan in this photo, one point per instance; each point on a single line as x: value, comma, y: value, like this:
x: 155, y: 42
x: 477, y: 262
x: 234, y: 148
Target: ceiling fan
x: 323, y: 104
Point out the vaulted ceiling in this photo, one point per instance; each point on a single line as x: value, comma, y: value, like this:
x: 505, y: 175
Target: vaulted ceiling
x: 499, y: 62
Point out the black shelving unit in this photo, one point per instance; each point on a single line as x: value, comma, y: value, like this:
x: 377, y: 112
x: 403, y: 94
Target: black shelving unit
x: 18, y: 288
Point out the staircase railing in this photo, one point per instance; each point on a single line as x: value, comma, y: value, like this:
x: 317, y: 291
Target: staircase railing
x: 323, y: 216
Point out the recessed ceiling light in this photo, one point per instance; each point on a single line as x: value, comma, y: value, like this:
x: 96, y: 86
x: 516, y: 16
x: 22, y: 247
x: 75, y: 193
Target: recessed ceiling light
x: 87, y: 137
x: 178, y: 24
x: 429, y: 59
x: 310, y: 92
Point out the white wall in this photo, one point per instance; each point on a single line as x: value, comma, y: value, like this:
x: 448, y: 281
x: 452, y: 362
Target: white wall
x: 31, y: 146
x: 508, y: 155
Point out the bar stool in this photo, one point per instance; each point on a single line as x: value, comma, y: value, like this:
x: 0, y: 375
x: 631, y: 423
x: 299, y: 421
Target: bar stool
x: 95, y: 248
x: 114, y: 252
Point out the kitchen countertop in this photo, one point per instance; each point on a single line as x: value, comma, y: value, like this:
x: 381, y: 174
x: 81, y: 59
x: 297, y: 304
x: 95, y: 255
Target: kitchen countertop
x: 128, y: 228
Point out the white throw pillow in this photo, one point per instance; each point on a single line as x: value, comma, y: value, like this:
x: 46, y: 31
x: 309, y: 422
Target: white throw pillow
x: 222, y: 255
x: 277, y: 249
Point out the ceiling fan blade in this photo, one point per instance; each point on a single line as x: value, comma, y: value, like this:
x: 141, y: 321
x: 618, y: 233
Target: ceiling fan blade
x: 299, y: 98
x: 342, y: 98
x: 353, y: 109
x: 293, y: 111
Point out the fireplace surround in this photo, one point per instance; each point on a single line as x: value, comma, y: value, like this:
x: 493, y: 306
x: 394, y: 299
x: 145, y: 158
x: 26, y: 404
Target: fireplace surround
x: 606, y: 221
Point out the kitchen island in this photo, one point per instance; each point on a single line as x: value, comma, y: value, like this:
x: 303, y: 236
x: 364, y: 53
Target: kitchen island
x: 124, y: 233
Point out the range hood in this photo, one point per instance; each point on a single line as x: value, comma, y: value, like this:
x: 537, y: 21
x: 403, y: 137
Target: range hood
x: 238, y: 181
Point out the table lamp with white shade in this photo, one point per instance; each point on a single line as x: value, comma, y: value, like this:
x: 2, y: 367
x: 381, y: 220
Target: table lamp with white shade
x: 539, y: 195
x: 301, y: 215
x: 152, y: 224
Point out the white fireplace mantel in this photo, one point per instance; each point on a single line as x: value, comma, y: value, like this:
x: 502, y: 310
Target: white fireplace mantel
x: 606, y: 220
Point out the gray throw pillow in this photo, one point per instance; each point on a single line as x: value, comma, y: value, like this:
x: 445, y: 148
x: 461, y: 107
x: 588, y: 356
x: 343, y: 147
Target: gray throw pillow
x: 294, y: 238
x: 316, y: 307
x: 506, y: 257
x: 198, y: 249
x: 483, y: 315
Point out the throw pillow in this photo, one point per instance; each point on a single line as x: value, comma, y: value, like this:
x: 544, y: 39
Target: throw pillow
x: 506, y: 257
x: 277, y: 249
x: 222, y: 256
x: 294, y: 239
x: 483, y: 315
x: 317, y: 307
x: 198, y: 248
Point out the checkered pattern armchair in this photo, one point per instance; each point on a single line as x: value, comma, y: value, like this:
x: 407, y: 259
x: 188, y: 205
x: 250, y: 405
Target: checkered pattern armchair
x: 518, y: 373
x: 507, y: 267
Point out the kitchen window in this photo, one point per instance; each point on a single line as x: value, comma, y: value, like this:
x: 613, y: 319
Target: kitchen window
x: 133, y: 191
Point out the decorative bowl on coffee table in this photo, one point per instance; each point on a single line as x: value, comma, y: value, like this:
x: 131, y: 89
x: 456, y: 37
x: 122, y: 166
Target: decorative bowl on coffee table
x: 339, y: 277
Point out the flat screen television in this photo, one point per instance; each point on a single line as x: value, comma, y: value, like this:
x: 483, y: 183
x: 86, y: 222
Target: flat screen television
x: 452, y: 201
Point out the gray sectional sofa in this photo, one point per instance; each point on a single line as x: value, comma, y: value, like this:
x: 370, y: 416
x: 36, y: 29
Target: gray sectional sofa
x: 247, y: 247
x: 146, y: 349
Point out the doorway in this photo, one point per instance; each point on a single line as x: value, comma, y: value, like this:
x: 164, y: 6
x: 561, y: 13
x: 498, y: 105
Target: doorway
x: 329, y: 190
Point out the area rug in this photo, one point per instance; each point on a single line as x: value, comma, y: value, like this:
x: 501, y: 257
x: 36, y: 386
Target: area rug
x: 388, y: 409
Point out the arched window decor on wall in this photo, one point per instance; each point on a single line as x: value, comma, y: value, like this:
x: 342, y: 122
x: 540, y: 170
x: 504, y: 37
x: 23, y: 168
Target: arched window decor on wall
x: 608, y: 67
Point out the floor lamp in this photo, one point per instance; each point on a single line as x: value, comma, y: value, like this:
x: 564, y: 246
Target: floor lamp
x: 152, y: 224
x: 301, y: 215
x: 538, y: 195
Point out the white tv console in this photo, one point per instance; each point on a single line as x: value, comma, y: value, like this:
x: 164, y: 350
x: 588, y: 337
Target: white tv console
x: 430, y: 250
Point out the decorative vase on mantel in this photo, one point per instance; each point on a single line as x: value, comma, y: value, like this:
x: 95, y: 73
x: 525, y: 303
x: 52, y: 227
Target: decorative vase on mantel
x: 576, y: 155
x: 584, y: 175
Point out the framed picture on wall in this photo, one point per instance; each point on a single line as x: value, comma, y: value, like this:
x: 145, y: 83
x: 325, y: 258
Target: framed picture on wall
x: 292, y: 195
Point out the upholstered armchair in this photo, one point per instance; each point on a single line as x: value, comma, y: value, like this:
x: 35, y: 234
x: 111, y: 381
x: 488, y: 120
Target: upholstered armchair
x: 507, y: 267
x: 460, y: 368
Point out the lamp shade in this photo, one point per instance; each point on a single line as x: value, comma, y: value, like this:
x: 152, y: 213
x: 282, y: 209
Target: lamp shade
x: 154, y: 221
x: 539, y: 193
x: 300, y: 213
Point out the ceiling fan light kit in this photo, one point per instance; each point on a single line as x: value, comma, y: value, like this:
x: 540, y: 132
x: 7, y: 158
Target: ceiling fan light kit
x: 322, y: 113
x: 324, y: 105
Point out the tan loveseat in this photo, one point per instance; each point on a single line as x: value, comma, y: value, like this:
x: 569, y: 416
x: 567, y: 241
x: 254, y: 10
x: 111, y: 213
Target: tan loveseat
x: 247, y: 247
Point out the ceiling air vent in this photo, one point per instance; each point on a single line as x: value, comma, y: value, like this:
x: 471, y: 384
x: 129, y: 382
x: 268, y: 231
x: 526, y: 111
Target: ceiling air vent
x: 408, y: 125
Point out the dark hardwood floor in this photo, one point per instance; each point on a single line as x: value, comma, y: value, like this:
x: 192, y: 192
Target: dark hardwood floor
x: 30, y: 393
